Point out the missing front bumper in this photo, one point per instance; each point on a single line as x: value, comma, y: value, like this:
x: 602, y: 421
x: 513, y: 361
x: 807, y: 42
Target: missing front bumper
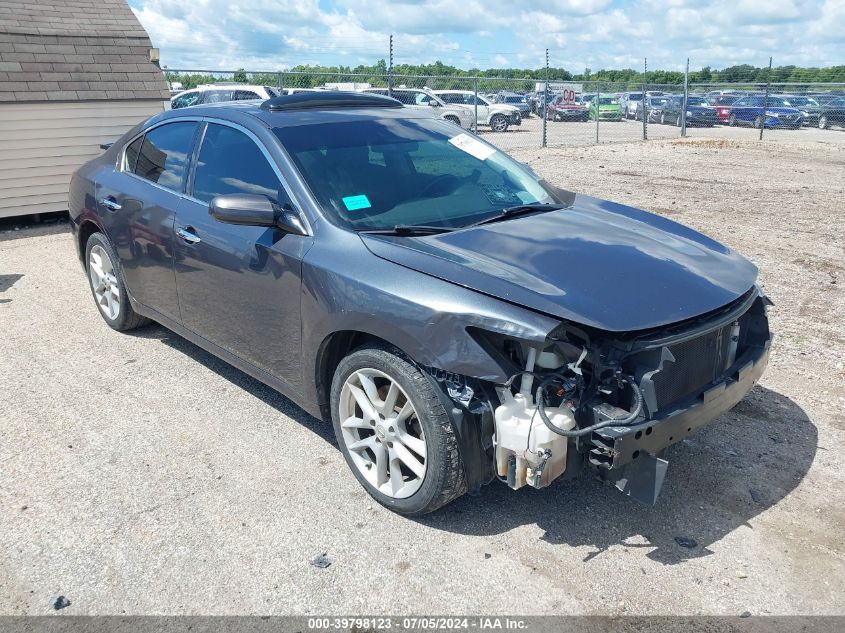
x: 629, y: 456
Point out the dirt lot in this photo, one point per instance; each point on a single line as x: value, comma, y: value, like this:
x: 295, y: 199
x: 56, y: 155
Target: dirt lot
x: 141, y: 475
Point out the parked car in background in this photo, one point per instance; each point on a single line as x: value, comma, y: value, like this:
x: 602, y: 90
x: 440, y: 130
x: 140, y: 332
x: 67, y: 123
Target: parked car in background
x: 653, y: 107
x: 427, y: 100
x: 832, y: 113
x: 605, y: 108
x: 760, y: 111
x: 217, y: 93
x: 808, y: 107
x: 722, y: 104
x: 497, y: 116
x: 629, y: 102
x: 698, y: 112
x: 516, y: 100
x: 457, y: 319
x: 561, y: 110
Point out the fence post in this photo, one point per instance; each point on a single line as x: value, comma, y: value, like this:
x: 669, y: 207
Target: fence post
x: 643, y: 102
x: 545, y: 97
x: 390, y: 69
x: 475, y: 106
x: 684, y: 105
x: 766, y: 102
x: 598, y: 109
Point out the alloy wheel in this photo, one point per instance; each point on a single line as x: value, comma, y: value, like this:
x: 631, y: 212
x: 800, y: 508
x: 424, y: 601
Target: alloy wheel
x: 104, y: 282
x: 382, y: 433
x: 822, y: 122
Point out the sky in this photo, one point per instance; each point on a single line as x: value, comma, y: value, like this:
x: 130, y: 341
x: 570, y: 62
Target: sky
x: 596, y: 34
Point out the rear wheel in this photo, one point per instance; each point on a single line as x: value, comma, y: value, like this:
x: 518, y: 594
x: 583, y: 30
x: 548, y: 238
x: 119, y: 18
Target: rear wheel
x: 394, y: 432
x: 758, y: 122
x: 498, y: 123
x: 107, y: 286
x: 732, y: 120
x: 678, y: 121
x: 822, y: 122
x: 663, y: 118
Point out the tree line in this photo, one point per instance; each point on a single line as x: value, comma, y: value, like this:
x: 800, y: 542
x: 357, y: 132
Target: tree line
x: 418, y: 75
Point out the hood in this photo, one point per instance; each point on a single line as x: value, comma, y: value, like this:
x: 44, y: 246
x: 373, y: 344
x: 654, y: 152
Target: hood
x: 596, y: 263
x: 781, y: 110
x: 503, y: 108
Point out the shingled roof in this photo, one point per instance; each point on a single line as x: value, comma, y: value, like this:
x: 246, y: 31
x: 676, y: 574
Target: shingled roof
x: 75, y: 50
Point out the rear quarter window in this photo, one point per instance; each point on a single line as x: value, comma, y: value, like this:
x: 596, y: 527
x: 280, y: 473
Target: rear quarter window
x: 164, y: 154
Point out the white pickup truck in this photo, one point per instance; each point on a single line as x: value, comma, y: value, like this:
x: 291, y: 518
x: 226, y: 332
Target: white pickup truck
x: 498, y: 116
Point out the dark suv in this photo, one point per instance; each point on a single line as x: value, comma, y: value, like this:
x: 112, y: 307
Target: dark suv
x: 456, y: 317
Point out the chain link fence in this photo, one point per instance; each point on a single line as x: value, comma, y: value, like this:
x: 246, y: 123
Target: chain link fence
x: 525, y: 113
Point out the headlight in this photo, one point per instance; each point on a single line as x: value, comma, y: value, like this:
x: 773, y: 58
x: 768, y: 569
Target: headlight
x: 769, y: 113
x: 689, y: 114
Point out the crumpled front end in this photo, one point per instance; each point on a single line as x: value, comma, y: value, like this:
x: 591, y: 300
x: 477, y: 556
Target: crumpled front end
x: 612, y: 401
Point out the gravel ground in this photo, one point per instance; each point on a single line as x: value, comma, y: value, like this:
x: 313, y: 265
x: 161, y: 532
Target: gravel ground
x: 141, y: 475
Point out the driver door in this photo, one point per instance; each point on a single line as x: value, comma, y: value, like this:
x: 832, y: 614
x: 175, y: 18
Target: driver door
x: 239, y: 286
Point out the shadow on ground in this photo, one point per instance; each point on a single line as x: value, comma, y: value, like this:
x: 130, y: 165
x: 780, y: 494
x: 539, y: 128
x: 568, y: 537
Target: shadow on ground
x: 718, y: 479
x: 266, y: 394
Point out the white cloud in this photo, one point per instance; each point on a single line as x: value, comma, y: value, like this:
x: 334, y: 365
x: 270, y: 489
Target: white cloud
x: 270, y: 34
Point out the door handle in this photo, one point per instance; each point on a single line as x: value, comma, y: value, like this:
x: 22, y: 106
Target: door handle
x: 111, y: 204
x: 188, y: 235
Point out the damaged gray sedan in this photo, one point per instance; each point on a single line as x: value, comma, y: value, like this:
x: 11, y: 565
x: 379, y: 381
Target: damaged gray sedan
x: 457, y: 318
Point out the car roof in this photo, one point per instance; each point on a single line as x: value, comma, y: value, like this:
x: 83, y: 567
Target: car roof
x: 251, y: 110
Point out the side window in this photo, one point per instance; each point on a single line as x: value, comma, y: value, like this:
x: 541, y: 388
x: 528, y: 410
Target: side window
x: 405, y: 97
x: 422, y: 98
x: 216, y: 96
x: 130, y: 156
x: 243, y: 95
x: 164, y: 154
x: 185, y: 100
x: 230, y: 162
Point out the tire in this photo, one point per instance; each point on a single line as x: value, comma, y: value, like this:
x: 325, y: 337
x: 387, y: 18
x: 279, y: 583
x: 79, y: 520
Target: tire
x: 758, y: 122
x: 556, y: 117
x: 498, y: 123
x: 678, y: 122
x: 732, y: 120
x: 663, y: 118
x: 105, y: 278
x: 823, y: 122
x: 409, y: 494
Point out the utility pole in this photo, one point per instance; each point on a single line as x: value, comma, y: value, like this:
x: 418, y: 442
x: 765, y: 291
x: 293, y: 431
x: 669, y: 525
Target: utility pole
x: 545, y: 97
x: 643, y: 102
x: 686, y: 98
x: 390, y: 69
x: 766, y: 102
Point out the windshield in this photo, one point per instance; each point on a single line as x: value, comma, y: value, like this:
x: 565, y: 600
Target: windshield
x: 514, y: 99
x: 696, y: 101
x: 801, y: 101
x: 607, y: 101
x: 635, y: 96
x: 376, y: 174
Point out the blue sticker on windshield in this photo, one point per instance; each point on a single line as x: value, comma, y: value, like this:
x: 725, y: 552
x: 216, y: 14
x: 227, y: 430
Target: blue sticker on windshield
x: 353, y: 203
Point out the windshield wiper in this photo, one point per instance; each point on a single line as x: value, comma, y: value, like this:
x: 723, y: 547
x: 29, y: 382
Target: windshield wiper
x: 410, y: 230
x: 520, y: 209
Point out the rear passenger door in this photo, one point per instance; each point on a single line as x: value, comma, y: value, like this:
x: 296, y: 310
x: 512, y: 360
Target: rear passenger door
x: 138, y: 204
x: 239, y: 286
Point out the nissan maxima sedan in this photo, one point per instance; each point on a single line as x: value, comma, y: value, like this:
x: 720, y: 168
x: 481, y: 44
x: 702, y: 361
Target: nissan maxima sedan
x: 457, y: 318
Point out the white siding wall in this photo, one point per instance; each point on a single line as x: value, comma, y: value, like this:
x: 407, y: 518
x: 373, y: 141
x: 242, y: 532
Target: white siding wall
x: 42, y: 144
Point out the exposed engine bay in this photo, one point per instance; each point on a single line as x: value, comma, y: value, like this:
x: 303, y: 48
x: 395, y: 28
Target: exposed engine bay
x: 611, y: 402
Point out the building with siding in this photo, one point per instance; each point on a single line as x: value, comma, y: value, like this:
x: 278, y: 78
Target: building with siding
x: 73, y: 74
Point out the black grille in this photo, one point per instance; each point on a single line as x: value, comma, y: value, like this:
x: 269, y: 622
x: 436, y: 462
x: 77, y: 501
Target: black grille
x: 698, y: 362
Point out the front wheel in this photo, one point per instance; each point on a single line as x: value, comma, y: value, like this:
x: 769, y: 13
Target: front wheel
x: 678, y: 122
x: 823, y: 122
x: 732, y: 120
x: 105, y: 278
x: 395, y: 433
x: 498, y: 123
x: 758, y: 122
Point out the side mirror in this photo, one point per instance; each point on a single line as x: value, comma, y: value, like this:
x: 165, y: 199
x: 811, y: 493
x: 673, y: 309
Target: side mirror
x: 254, y: 210
x: 433, y: 103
